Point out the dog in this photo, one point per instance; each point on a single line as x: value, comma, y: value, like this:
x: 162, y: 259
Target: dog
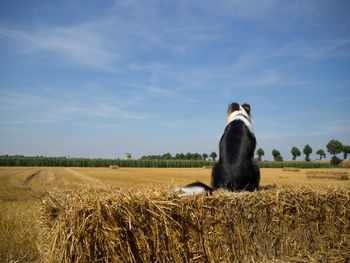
x: 236, y: 169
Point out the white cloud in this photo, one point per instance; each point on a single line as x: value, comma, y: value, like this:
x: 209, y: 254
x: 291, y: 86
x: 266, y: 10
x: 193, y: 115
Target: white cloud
x: 75, y: 44
x: 104, y: 111
x: 162, y: 92
x: 312, y: 49
x: 25, y: 108
x: 21, y: 100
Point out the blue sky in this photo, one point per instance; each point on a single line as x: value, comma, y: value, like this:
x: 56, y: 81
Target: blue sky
x: 101, y: 78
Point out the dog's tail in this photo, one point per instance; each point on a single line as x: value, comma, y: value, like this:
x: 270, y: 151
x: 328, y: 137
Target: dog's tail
x: 193, y: 189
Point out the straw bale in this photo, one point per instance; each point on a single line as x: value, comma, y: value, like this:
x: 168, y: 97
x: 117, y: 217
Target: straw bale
x: 114, y: 166
x: 208, y: 167
x: 288, y: 224
x: 327, y: 175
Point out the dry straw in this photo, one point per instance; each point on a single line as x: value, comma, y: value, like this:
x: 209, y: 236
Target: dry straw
x: 327, y: 175
x: 291, y: 224
x: 290, y: 169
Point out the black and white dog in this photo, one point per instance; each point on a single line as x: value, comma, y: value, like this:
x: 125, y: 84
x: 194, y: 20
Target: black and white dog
x: 236, y: 169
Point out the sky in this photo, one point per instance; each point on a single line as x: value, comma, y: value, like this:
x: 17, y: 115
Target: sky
x: 98, y: 79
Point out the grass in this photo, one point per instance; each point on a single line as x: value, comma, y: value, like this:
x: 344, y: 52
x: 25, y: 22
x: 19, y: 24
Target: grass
x: 22, y: 189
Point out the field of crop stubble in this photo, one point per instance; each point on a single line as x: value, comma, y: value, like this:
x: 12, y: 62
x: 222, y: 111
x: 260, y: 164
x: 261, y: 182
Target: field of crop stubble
x: 23, y: 188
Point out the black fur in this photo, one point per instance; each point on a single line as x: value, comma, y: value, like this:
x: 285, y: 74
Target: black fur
x: 236, y: 169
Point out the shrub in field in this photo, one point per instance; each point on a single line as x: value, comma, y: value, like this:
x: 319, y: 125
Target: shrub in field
x: 335, y: 161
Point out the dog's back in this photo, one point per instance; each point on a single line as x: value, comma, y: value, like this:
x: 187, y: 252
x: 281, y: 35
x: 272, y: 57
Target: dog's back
x: 236, y: 169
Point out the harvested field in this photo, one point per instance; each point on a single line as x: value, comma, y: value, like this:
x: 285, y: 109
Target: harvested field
x: 327, y: 175
x: 290, y: 169
x: 345, y: 164
x: 23, y: 188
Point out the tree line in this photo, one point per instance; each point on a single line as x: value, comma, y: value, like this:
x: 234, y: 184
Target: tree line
x: 156, y: 163
x: 333, y: 147
x: 87, y: 162
x: 181, y: 160
x: 181, y: 156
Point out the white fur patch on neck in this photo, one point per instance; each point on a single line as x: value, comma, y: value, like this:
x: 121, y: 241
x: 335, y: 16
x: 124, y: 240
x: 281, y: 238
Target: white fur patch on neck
x: 243, y: 116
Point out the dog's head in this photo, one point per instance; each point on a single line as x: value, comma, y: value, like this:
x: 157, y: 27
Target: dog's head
x: 235, y: 111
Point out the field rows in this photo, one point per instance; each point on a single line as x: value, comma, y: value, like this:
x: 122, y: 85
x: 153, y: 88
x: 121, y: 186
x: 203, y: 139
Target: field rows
x: 59, y: 177
x: 22, y: 189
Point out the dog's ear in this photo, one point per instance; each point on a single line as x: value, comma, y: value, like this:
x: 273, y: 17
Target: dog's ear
x: 233, y: 107
x: 246, y: 107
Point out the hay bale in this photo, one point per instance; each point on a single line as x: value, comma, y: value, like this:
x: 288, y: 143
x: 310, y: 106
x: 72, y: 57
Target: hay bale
x: 327, y: 175
x: 114, y: 166
x: 207, y: 167
x: 290, y: 169
x: 290, y: 224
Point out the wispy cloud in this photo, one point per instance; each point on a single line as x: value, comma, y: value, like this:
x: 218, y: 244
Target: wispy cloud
x: 75, y: 44
x: 313, y: 49
x: 105, y: 111
x: 15, y: 99
x: 283, y: 131
x: 26, y: 108
x: 162, y: 92
x: 335, y: 48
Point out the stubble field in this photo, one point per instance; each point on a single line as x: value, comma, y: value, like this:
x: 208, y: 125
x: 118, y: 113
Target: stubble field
x: 23, y: 188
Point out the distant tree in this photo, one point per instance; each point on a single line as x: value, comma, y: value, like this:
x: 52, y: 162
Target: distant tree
x: 295, y: 152
x: 307, y: 151
x: 205, y: 156
x: 180, y: 156
x: 127, y: 156
x: 196, y: 156
x: 321, y: 154
x: 188, y: 156
x: 346, y: 151
x: 213, y: 155
x: 167, y: 156
x: 260, y: 152
x: 277, y: 155
x: 334, y: 147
